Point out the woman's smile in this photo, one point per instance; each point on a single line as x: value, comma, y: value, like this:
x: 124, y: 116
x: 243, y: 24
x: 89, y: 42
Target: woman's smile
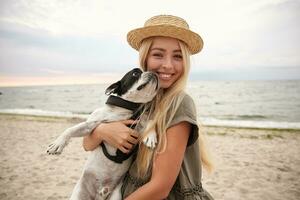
x: 164, y: 76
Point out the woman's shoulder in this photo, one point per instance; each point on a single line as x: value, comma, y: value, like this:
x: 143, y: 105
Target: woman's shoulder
x: 187, y: 106
x: 187, y: 112
x: 187, y: 100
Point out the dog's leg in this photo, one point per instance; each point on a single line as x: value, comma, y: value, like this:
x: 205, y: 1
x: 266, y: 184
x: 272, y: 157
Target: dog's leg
x: 86, y: 187
x: 150, y: 140
x: 78, y: 130
x: 104, y: 192
x: 116, y: 194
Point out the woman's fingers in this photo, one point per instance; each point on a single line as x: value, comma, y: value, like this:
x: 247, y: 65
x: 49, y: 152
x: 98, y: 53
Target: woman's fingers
x: 133, y: 137
x: 134, y: 134
x: 132, y: 140
x: 128, y: 143
x: 124, y: 150
x: 119, y: 135
x: 129, y: 122
x: 128, y: 146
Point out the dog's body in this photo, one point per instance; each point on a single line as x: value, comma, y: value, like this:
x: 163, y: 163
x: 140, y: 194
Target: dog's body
x: 101, y: 175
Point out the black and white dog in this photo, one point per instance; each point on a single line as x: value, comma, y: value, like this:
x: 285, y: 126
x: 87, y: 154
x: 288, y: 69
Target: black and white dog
x: 106, y: 165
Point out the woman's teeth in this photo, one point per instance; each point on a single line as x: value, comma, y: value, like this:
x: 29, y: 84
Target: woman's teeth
x: 164, y: 76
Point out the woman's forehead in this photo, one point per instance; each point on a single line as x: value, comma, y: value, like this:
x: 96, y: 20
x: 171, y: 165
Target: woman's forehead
x: 165, y: 43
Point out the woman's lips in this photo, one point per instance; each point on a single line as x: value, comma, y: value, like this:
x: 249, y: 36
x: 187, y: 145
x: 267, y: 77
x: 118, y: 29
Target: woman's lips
x: 164, y: 76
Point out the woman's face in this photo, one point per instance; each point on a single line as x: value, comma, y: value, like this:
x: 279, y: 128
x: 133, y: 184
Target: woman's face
x: 165, y: 59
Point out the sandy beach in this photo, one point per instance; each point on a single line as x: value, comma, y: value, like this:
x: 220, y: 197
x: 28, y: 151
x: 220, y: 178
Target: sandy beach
x: 250, y: 163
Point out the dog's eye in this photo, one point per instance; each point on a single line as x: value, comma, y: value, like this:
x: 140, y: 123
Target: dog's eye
x: 135, y: 74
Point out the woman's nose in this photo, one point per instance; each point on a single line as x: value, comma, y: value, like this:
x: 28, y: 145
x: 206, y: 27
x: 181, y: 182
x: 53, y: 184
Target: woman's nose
x: 167, y: 63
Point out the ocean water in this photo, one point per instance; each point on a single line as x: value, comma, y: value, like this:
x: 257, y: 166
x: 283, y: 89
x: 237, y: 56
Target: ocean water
x: 257, y: 104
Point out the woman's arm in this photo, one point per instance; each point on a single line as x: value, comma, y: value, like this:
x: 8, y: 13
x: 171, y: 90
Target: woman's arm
x: 166, y: 165
x: 116, y: 134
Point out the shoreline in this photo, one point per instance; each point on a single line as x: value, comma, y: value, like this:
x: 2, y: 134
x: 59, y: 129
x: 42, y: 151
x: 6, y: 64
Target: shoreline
x: 249, y: 163
x: 79, y: 119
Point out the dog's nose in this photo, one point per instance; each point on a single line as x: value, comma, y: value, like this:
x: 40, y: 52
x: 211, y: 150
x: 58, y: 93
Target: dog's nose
x: 154, y: 78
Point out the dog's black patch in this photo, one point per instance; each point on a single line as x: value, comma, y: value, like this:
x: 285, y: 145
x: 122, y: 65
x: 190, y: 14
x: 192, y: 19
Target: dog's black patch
x: 122, y: 86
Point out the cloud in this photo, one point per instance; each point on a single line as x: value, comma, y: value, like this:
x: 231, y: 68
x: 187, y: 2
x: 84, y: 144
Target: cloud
x: 266, y: 34
x: 103, y: 78
x: 25, y: 50
x: 42, y: 38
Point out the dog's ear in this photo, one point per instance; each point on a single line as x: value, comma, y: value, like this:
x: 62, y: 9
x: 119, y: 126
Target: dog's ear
x: 114, y: 88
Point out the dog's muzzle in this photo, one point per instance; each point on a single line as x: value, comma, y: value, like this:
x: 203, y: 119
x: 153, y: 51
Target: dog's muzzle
x: 150, y: 77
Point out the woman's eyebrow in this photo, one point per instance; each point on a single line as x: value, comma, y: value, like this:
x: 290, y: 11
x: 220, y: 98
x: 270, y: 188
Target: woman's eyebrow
x: 157, y: 48
x: 177, y: 50
x: 161, y: 49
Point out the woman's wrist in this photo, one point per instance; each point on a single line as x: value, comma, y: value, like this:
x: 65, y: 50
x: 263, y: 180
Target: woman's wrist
x: 97, y: 134
x: 91, y: 141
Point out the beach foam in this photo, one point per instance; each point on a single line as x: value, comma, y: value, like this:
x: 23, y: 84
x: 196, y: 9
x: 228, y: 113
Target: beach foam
x: 204, y: 120
x: 42, y: 113
x: 251, y: 124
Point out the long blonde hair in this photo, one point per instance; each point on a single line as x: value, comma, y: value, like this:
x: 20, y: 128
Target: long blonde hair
x: 162, y: 110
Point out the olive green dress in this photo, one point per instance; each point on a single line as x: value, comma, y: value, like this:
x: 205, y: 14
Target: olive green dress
x: 188, y: 183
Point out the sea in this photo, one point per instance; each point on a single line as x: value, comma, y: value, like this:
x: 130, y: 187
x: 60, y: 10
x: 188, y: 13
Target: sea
x: 273, y: 104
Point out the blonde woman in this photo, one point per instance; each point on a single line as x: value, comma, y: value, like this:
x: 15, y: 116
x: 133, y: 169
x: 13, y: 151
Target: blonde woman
x: 173, y: 169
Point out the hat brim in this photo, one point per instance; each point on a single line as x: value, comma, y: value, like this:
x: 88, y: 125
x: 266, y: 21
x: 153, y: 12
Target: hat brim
x: 193, y: 41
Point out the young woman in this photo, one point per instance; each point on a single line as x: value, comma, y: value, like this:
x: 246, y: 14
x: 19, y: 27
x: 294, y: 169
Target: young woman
x: 173, y: 169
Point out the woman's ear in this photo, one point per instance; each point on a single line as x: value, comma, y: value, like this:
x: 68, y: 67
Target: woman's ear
x: 115, y: 88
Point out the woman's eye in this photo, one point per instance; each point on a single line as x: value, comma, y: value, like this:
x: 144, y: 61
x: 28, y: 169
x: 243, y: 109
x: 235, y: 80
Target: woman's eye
x: 157, y: 55
x: 178, y: 56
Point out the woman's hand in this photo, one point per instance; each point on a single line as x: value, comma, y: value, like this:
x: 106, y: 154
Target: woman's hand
x: 116, y: 134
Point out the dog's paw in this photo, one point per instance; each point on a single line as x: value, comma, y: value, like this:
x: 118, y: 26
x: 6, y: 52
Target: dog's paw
x: 104, y: 192
x: 151, y: 140
x: 57, y: 146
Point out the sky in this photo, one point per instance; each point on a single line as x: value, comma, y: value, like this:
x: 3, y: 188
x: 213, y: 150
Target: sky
x: 84, y: 41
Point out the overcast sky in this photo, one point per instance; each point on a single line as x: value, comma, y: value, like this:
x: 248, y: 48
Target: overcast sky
x: 82, y: 41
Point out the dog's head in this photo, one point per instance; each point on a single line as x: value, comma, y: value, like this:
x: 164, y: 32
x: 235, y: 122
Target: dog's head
x: 136, y: 86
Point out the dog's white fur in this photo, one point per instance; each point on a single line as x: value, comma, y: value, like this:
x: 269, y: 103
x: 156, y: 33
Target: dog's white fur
x: 100, y: 175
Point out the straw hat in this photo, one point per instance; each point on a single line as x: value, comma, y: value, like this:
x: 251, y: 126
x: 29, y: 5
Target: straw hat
x: 169, y: 26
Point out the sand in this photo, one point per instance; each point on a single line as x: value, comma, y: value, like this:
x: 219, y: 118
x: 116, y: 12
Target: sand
x: 250, y: 163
